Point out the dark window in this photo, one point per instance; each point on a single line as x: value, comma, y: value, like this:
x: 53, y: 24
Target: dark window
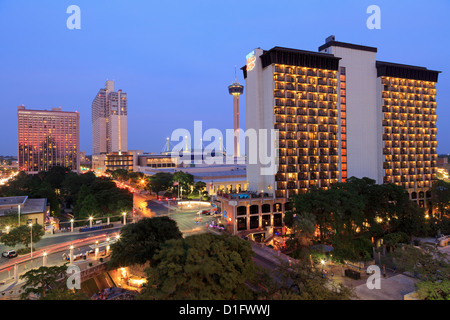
x: 277, y: 220
x: 287, y: 206
x: 254, y: 209
x: 241, y: 224
x: 266, y: 220
x: 254, y: 222
x: 241, y: 211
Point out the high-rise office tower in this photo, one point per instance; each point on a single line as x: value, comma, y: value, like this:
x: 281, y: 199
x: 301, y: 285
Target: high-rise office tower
x: 342, y: 113
x: 47, y: 139
x: 109, y: 121
x: 236, y: 89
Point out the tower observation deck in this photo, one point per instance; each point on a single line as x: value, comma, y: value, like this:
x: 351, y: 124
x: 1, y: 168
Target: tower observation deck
x: 236, y: 89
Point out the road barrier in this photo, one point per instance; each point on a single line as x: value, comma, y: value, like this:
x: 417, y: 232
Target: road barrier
x: 105, y: 226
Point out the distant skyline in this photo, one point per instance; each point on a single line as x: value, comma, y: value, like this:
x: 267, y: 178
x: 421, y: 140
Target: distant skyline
x: 176, y: 59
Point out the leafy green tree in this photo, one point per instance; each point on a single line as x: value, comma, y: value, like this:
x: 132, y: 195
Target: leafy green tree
x: 315, y: 203
x: 429, y: 290
x: 73, y: 183
x: 350, y: 214
x: 440, y: 195
x: 136, y: 177
x: 22, y: 235
x: 54, y: 176
x: 301, y: 280
x: 429, y: 265
x: 139, y: 241
x: 89, y: 207
x: 393, y: 239
x: 427, y: 262
x: 199, y: 186
x: 161, y: 181
x: 49, y: 283
x: 185, y: 181
x: 202, y: 267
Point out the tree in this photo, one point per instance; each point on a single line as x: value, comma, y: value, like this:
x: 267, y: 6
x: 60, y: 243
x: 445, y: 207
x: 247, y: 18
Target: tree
x: 139, y: 241
x: 22, y: 235
x: 89, y: 207
x: 120, y: 174
x: 199, y: 186
x: 49, y: 283
x: 348, y: 215
x: 430, y: 265
x: 185, y: 181
x: 161, y: 181
x: 428, y: 290
x: 426, y: 262
x: 300, y: 280
x: 201, y: 267
x: 440, y: 197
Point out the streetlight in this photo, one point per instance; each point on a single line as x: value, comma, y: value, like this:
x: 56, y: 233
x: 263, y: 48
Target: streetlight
x: 7, y: 229
x: 31, y: 228
x: 96, y: 249
x: 44, y: 259
x: 71, y: 254
x: 71, y: 225
x: 90, y: 221
x: 124, y: 218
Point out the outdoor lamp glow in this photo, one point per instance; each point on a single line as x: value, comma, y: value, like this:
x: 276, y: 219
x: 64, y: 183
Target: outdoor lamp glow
x: 30, y: 225
x: 71, y: 247
x: 107, y: 239
x: 44, y: 254
x: 91, y: 217
x: 71, y: 220
x: 322, y: 262
x: 124, y: 213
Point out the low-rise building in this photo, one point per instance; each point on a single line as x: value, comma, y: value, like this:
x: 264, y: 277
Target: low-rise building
x: 24, y: 209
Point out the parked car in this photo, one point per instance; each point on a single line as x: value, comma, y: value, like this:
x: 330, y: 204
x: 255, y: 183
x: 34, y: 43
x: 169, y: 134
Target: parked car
x: 9, y: 254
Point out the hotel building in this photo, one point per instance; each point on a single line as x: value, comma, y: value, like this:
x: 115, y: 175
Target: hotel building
x: 339, y: 113
x: 109, y: 120
x: 47, y: 139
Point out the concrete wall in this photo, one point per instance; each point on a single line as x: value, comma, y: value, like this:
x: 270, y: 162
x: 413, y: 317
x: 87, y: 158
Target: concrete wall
x: 259, y: 115
x: 363, y: 114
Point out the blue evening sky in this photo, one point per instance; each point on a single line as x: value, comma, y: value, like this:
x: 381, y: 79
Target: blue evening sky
x: 175, y: 59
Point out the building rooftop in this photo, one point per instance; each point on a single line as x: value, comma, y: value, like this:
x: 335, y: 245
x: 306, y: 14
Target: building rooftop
x: 347, y: 45
x: 398, y: 70
x: 12, y: 201
x: 27, y: 206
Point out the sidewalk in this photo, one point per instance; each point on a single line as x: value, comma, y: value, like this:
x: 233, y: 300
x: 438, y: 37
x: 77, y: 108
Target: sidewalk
x: 117, y: 224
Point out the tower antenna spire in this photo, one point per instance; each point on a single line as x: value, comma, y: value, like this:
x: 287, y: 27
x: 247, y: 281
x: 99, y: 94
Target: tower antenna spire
x: 235, y: 78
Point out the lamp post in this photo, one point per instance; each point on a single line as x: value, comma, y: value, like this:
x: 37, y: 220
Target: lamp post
x: 19, y: 215
x: 90, y: 221
x: 7, y: 229
x: 31, y: 246
x: 96, y: 249
x: 107, y: 247
x: 44, y: 259
x: 124, y: 218
x: 71, y: 225
x: 71, y: 254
